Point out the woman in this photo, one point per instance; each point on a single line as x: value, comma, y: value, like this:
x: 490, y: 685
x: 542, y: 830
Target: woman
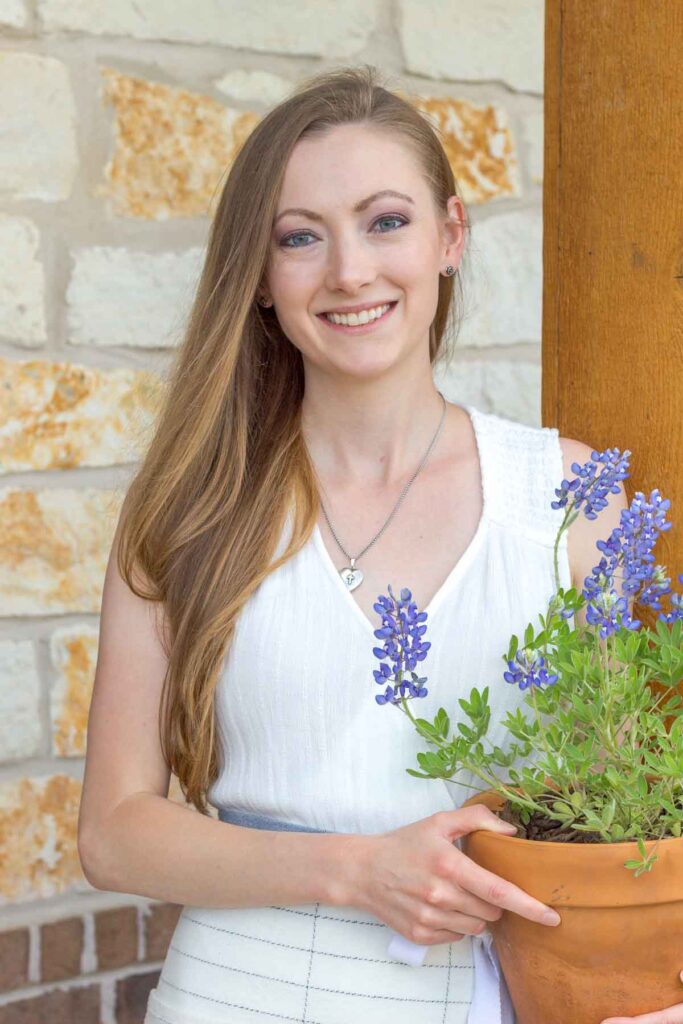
x: 303, y: 458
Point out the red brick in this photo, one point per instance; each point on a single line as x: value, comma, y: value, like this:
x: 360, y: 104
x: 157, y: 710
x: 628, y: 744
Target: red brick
x: 131, y: 996
x: 116, y: 937
x: 61, y: 943
x: 160, y: 920
x: 13, y: 959
x: 77, y: 1005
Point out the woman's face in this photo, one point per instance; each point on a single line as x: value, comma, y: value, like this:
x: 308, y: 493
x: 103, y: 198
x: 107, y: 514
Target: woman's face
x: 334, y: 246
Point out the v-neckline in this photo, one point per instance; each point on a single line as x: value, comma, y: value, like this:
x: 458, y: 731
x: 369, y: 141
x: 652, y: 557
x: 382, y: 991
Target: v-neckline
x: 457, y: 570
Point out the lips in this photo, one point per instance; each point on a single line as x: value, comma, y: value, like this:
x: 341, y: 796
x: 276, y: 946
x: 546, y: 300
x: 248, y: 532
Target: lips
x: 361, y: 309
x: 362, y: 327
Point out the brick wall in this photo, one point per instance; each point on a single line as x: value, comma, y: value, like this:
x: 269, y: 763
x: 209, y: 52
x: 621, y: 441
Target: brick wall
x: 117, y: 127
x: 85, y: 967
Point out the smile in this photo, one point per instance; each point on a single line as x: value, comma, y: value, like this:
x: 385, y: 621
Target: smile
x: 355, y: 323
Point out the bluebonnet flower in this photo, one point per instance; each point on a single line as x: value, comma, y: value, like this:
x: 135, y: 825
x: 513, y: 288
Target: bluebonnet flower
x: 676, y: 613
x: 526, y: 671
x: 589, y: 490
x: 402, y: 631
x: 629, y: 546
x: 610, y: 612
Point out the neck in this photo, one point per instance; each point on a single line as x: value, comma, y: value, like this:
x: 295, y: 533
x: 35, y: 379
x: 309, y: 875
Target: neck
x: 372, y: 436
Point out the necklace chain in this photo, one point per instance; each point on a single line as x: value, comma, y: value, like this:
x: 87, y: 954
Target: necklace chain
x: 348, y: 574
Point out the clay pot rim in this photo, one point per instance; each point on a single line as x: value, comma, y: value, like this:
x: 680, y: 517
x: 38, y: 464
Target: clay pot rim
x: 629, y: 844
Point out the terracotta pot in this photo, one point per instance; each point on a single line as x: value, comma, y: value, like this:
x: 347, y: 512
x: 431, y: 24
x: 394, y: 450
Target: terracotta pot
x: 619, y: 948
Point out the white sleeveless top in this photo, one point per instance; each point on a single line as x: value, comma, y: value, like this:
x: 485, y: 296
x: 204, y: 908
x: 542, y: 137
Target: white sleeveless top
x: 301, y: 734
x: 303, y: 740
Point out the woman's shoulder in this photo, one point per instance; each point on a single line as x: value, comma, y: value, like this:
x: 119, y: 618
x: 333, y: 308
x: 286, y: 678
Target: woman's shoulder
x: 522, y: 464
x: 513, y: 431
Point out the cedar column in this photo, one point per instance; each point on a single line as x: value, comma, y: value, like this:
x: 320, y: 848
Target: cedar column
x: 612, y: 352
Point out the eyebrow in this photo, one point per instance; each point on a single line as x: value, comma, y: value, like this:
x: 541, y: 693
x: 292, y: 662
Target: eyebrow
x: 358, y: 208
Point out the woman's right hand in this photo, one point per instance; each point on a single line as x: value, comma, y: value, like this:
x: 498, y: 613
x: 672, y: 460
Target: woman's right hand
x: 421, y: 885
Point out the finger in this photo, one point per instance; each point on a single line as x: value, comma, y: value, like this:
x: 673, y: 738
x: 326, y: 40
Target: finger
x: 444, y: 919
x: 462, y: 902
x: 461, y: 923
x: 501, y: 893
x: 671, y: 1015
x: 439, y: 938
x: 455, y: 899
x: 471, y: 819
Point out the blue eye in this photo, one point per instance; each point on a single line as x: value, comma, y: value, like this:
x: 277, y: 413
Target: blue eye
x: 286, y: 241
x: 392, y: 216
x: 297, y: 234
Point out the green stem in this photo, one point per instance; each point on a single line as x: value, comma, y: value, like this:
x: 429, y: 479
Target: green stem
x: 491, y: 780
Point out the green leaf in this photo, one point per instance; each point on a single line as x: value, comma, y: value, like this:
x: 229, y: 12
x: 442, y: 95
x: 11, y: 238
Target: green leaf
x: 443, y: 722
x: 562, y: 809
x: 608, y: 814
x: 426, y: 726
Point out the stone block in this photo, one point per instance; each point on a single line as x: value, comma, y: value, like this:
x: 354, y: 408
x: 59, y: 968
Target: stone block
x: 62, y: 415
x: 39, y: 155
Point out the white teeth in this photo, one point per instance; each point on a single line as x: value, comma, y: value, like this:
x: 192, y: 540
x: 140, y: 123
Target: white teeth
x: 353, y: 319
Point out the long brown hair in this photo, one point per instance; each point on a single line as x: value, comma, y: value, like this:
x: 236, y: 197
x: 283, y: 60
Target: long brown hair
x: 203, y: 514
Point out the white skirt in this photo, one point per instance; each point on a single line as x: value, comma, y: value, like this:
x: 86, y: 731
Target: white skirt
x: 314, y: 964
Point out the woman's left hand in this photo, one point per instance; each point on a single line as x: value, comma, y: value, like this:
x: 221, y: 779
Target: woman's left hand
x: 672, y: 1015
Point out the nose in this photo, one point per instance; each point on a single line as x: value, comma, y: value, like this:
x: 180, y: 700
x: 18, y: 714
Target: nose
x: 350, y: 266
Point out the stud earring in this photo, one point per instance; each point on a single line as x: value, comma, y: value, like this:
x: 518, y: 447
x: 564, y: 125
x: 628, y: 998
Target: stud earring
x: 450, y: 270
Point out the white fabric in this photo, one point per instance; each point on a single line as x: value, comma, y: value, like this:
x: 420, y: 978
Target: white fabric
x: 491, y: 1003
x: 303, y: 739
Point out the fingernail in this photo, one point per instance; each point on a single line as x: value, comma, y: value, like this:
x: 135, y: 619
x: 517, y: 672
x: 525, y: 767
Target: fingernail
x: 550, y: 917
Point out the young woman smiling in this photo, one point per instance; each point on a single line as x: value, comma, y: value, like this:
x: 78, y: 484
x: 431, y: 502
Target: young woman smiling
x: 303, y: 458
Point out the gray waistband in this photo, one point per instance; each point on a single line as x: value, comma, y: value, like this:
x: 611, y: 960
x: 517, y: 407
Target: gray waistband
x: 235, y: 816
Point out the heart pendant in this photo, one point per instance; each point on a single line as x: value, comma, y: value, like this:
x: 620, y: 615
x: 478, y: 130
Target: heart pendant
x: 351, y: 577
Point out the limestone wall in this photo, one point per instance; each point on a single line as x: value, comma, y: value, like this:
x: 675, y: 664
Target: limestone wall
x: 118, y: 120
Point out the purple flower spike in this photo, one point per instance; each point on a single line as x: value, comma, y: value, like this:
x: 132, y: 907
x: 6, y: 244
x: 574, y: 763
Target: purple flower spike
x: 676, y: 613
x: 590, y: 491
x: 629, y: 547
x: 525, y: 671
x: 402, y: 631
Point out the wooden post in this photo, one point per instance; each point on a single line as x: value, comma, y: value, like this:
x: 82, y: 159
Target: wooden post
x: 612, y: 353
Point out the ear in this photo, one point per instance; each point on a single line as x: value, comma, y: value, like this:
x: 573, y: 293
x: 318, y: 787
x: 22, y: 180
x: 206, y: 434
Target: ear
x: 453, y: 232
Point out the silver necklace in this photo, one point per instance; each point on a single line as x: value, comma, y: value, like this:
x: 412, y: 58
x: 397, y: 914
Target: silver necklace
x: 351, y: 574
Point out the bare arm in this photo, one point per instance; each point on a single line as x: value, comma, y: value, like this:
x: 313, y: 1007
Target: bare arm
x: 157, y: 848
x: 131, y: 837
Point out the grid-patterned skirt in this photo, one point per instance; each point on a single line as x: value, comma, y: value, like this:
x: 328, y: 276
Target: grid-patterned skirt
x: 315, y: 964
